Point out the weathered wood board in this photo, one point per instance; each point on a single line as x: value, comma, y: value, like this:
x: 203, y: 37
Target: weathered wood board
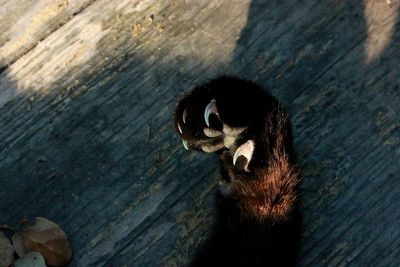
x: 87, y: 92
x: 24, y: 23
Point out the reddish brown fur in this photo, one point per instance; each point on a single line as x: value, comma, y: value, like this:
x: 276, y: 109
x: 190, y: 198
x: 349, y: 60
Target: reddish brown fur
x: 271, y: 195
x: 271, y: 192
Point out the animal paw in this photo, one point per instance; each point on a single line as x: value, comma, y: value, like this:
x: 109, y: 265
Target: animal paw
x: 232, y: 116
x: 199, y: 123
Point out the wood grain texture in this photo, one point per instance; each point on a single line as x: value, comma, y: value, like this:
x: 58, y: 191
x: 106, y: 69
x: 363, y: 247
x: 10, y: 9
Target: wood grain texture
x: 24, y: 24
x: 87, y: 138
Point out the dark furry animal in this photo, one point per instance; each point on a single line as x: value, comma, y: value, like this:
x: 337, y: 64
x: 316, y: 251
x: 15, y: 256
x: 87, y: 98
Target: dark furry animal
x: 258, y: 223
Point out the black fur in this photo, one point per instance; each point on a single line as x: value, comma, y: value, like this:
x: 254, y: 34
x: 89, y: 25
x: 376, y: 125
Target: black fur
x: 258, y: 222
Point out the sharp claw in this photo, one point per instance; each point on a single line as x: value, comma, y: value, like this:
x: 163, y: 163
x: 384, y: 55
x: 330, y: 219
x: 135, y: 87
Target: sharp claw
x: 185, y: 144
x: 235, y: 156
x: 179, y: 128
x: 184, y: 115
x: 245, y: 150
x: 210, y: 109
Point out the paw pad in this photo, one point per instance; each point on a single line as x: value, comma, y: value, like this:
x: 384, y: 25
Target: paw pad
x: 212, y: 133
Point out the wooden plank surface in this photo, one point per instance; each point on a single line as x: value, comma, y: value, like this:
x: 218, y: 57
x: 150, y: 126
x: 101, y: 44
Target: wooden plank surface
x: 87, y: 137
x: 23, y: 24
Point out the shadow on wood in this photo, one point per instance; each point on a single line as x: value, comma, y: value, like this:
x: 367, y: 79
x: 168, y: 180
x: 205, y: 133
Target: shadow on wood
x: 94, y: 149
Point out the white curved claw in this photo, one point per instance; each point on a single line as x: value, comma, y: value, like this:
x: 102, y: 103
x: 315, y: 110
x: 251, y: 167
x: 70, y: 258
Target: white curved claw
x: 185, y: 144
x: 179, y: 128
x: 184, y: 115
x: 211, y: 108
x: 246, y: 150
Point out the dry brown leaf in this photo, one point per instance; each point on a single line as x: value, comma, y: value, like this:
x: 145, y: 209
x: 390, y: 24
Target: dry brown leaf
x: 32, y: 259
x: 45, y: 237
x: 6, y: 251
